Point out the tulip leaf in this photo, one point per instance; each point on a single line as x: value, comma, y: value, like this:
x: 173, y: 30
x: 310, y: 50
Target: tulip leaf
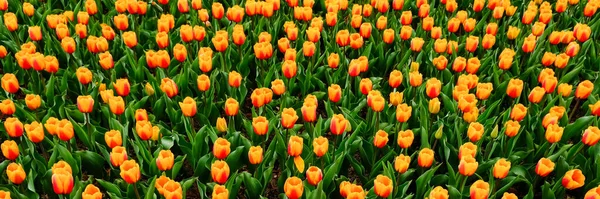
x: 253, y: 186
x: 547, y: 192
x: 424, y: 180
x: 110, y: 187
x: 577, y: 127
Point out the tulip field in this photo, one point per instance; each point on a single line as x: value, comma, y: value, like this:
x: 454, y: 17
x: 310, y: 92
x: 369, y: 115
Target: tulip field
x: 300, y: 99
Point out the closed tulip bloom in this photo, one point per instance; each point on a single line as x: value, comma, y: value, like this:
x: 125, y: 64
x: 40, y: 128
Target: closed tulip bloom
x: 518, y: 112
x: 584, y: 89
x: 561, y: 60
x: 507, y: 195
x: 169, y: 87
x: 220, y: 192
x: 260, y: 125
x: 401, y: 163
x: 406, y: 32
x: 555, y: 37
x: 590, y: 9
x: 28, y: 9
x: 255, y: 155
x: 572, y: 49
x: 289, y: 68
x: 62, y: 182
x: 479, y: 190
x: 91, y: 192
x: 453, y: 25
x: 118, y: 155
x: 565, y: 89
x: 536, y: 94
x: 130, y: 39
x: 439, y: 193
x: 11, y: 22
x: 143, y: 129
x: 342, y: 38
x: 383, y: 186
x: 425, y: 158
x: 515, y: 87
x: 203, y: 82
x: 416, y: 44
x: 488, y: 41
x: 314, y: 175
x: 165, y: 160
x: 593, y: 193
x: 35, y: 33
x: 529, y: 44
x: 491, y: 29
x: 121, y: 22
x: 179, y: 52
x: 513, y: 32
x: 308, y: 48
x: 501, y: 168
x: 32, y: 101
x: 415, y: 78
x: 434, y: 106
x: 467, y: 166
x: 85, y: 103
x: 405, y: 138
x: 288, y: 118
x: 582, y: 32
x: 554, y: 133
x: 122, y: 87
x: 220, y: 42
x: 365, y: 86
x: 334, y: 93
x: 13, y: 127
x: 544, y: 167
x: 293, y: 188
x: 440, y: 62
x: 320, y: 146
x: 433, y: 87
x: 467, y: 149
x: 162, y: 39
x: 459, y: 64
x: 380, y: 139
x: 309, y: 112
x: 188, y: 107
x: 591, y: 135
x: 105, y: 60
x: 511, y: 128
x: 15, y: 173
x: 573, y: 179
x: 440, y: 45
x: 395, y: 78
x: 295, y: 146
x: 116, y: 105
x: 113, y: 138
x: 333, y: 60
x: 548, y: 59
x: 278, y: 86
x: 130, y: 171
x: 475, y: 131
x: 234, y: 79
x: 338, y: 124
x: 10, y: 83
x: 231, y: 107
x: 10, y: 149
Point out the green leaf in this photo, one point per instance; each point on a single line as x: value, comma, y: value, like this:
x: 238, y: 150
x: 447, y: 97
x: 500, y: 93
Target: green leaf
x: 424, y: 180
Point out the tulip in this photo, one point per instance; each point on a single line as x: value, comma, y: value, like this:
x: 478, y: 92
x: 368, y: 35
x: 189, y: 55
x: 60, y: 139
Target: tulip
x: 169, y: 87
x: 15, y: 173
x: 10, y: 83
x: 85, y: 104
x: 320, y: 146
x: 405, y: 138
x: 288, y: 118
x: 544, y: 167
x: 91, y: 192
x: 116, y: 105
x: 143, y: 129
x: 380, y: 139
x: 221, y: 148
x: 439, y: 193
x: 293, y: 188
x: 13, y: 127
x: 255, y: 155
x: 165, y: 160
x: 188, y: 107
x: 501, y: 168
x: 536, y: 94
x: 10, y: 149
x: 365, y: 86
x: 433, y: 87
x: 220, y: 171
x: 35, y: 132
x: 573, y: 179
x: 518, y: 112
x: 513, y: 32
x: 260, y: 125
x: 425, y: 158
x: 130, y: 171
x: 203, y: 82
x: 62, y: 182
x: 401, y: 163
x: 220, y: 192
x: 440, y: 62
x: 584, y: 89
x: 118, y: 155
x: 591, y: 136
x: 32, y: 101
x: 553, y: 133
x: 475, y: 131
x: 479, y: 190
x: 561, y: 60
x: 113, y: 138
x: 416, y: 44
x: 467, y: 166
x: 314, y: 175
x: 572, y: 49
x: 467, y: 150
x: 515, y: 86
x: 384, y: 186
x: 582, y: 32
x: 406, y: 32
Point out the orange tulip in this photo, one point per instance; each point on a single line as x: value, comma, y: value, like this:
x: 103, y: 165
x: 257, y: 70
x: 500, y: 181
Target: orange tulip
x: 467, y: 166
x: 165, y: 160
x: 33, y: 102
x: 15, y: 173
x: 10, y: 21
x: 380, y: 139
x: 479, y: 190
x: 320, y: 146
x: 113, y: 138
x: 401, y: 163
x: 544, y: 167
x: 255, y: 155
x: 501, y: 168
x: 536, y: 94
x: 188, y: 107
x: 582, y: 32
x: 13, y: 127
x: 62, y: 182
x: 260, y: 125
x: 475, y: 131
x: 130, y: 39
x: 293, y: 188
x: 130, y: 171
x: 573, y: 179
x: 515, y: 86
x: 440, y: 62
x: 406, y: 32
x: 116, y: 105
x: 405, y: 138
x: 10, y: 149
x: 433, y: 87
x: 169, y: 87
x: 122, y: 87
x: 553, y: 133
x: 591, y: 135
x: 338, y: 124
x: 85, y: 104
x: 467, y: 149
x: 425, y: 158
x: 383, y: 185
x: 288, y: 118
x: 179, y: 52
x: 584, y: 89
x: 314, y: 175
x: 118, y: 155
x: 10, y: 83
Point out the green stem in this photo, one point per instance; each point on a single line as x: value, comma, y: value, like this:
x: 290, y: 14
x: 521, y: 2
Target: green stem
x: 137, y: 193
